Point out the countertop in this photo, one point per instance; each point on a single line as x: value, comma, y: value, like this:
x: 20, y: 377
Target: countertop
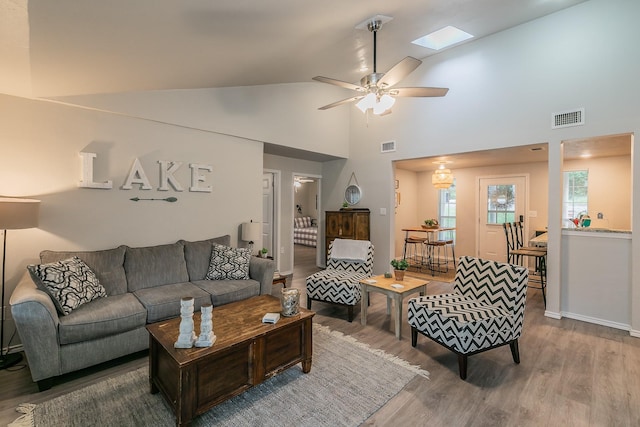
x: 597, y: 230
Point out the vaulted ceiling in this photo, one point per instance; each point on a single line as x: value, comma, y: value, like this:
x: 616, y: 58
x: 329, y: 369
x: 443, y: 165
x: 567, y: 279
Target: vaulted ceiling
x: 70, y: 47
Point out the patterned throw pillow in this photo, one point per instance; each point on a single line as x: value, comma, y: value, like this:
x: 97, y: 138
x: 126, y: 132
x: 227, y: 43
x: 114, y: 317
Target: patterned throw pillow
x: 70, y: 283
x: 228, y: 263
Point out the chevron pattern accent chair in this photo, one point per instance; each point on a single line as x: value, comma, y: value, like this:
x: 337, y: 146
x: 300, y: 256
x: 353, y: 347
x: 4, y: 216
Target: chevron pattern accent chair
x: 485, y: 311
x: 339, y: 283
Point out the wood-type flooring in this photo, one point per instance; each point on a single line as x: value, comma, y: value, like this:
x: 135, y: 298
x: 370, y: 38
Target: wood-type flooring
x: 571, y: 373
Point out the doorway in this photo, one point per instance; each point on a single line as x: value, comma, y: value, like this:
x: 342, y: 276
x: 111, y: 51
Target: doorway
x: 500, y: 199
x: 306, y: 219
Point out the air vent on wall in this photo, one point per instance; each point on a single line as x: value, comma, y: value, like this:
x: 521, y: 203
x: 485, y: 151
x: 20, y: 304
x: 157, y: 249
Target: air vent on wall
x: 565, y: 119
x: 387, y: 147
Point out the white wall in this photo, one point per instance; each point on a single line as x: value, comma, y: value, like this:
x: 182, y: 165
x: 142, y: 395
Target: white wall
x: 305, y: 196
x: 285, y: 114
x: 408, y: 212
x: 609, y: 190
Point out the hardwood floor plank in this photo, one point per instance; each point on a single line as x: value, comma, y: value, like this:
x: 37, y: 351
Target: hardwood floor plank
x: 571, y: 373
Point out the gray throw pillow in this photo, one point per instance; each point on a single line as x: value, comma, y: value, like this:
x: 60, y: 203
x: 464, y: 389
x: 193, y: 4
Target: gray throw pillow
x: 229, y: 263
x: 70, y: 283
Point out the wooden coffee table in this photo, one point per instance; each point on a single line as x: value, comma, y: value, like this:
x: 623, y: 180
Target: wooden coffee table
x: 408, y: 286
x: 246, y: 353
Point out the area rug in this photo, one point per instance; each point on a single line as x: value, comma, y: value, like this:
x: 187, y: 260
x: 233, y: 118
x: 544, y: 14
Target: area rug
x: 348, y: 382
x: 444, y: 277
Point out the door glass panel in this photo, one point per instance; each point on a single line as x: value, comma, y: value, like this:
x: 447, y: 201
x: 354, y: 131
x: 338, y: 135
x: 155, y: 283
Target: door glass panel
x: 501, y: 203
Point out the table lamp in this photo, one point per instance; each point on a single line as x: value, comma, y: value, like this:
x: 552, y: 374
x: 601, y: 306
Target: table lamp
x: 15, y: 214
x: 251, y: 232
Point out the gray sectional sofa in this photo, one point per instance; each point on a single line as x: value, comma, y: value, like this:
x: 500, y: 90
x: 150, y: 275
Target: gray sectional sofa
x: 144, y: 285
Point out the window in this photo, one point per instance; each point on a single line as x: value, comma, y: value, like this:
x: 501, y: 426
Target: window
x: 575, y: 194
x: 447, y: 206
x: 501, y: 203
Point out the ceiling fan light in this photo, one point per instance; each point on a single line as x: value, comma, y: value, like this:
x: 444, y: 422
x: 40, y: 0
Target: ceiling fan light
x: 367, y: 102
x: 385, y: 103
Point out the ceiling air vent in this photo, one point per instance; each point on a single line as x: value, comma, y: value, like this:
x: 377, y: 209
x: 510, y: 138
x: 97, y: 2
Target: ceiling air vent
x: 388, y: 147
x: 566, y: 119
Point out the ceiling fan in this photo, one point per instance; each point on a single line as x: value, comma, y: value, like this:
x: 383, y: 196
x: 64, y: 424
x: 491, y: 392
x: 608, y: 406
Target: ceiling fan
x: 376, y: 89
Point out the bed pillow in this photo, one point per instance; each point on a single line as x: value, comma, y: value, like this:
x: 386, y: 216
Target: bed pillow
x: 228, y: 263
x: 70, y: 283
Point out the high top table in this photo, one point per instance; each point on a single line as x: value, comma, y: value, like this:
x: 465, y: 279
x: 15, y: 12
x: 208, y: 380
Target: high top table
x: 429, y: 232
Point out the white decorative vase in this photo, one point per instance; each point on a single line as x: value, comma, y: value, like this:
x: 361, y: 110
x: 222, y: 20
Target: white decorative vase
x: 206, y: 337
x: 187, y: 335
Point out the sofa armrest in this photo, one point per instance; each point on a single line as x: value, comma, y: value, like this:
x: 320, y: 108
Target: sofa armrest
x: 36, y: 320
x: 262, y: 269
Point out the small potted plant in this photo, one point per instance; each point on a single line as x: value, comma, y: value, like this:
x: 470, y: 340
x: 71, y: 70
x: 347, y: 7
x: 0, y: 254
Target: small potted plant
x: 430, y: 224
x: 399, y: 268
x: 264, y: 252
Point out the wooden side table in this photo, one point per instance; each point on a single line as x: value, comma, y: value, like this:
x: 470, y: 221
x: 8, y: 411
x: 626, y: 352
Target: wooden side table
x: 393, y: 289
x: 280, y: 279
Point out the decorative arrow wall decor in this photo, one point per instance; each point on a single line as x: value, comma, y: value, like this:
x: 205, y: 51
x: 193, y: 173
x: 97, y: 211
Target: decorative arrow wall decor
x: 168, y: 199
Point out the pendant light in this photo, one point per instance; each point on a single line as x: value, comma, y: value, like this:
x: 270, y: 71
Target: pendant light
x: 442, y: 177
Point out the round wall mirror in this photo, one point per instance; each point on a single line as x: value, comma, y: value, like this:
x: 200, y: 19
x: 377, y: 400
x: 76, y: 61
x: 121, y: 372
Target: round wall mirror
x: 352, y: 194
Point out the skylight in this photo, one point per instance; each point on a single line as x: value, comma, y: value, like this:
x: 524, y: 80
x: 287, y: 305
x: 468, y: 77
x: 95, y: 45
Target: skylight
x: 442, y: 38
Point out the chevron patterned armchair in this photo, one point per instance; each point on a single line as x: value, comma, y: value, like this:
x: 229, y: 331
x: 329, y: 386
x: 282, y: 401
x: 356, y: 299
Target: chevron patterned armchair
x: 339, y: 283
x: 485, y: 311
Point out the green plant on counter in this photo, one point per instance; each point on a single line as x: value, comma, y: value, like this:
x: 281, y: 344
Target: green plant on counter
x: 400, y: 264
x: 431, y: 222
x: 264, y: 251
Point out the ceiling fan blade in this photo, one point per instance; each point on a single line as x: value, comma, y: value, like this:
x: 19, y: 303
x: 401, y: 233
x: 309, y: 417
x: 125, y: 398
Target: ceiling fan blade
x: 399, y: 71
x: 344, y: 101
x: 339, y: 83
x: 419, y: 91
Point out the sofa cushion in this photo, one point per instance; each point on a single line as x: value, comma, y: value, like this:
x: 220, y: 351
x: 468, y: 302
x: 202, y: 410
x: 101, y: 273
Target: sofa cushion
x: 155, y: 266
x: 229, y: 263
x: 198, y: 255
x: 163, y: 302
x: 70, y: 283
x: 108, y: 266
x: 102, y: 317
x: 226, y: 291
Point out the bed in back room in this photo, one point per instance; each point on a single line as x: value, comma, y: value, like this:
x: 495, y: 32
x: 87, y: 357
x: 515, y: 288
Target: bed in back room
x: 305, y: 231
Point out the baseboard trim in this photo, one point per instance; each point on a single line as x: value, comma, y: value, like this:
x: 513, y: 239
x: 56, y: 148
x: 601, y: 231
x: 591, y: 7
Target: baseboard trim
x: 634, y: 333
x: 597, y: 321
x: 553, y: 314
x: 13, y: 349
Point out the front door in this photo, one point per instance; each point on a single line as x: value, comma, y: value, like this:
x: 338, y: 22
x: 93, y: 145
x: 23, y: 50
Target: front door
x: 500, y: 199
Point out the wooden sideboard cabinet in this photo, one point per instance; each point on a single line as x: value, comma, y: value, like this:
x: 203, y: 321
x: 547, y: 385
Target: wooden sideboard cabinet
x: 346, y: 224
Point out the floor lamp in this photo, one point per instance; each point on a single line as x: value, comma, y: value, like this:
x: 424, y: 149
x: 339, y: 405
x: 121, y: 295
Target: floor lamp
x: 15, y: 214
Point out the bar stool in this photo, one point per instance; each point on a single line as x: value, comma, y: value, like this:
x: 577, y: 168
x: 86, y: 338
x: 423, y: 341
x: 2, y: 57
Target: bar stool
x: 435, y: 249
x: 414, y: 250
x: 517, y: 254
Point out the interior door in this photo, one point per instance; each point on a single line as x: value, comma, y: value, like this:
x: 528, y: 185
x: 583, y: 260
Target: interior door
x: 500, y: 199
x: 268, y: 209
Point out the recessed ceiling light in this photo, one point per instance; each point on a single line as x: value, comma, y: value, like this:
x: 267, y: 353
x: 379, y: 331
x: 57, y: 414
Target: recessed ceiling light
x: 442, y: 38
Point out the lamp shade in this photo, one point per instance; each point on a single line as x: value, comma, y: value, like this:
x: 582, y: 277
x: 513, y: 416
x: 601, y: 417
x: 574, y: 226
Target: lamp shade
x: 251, y: 231
x: 18, y: 213
x: 442, y: 178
